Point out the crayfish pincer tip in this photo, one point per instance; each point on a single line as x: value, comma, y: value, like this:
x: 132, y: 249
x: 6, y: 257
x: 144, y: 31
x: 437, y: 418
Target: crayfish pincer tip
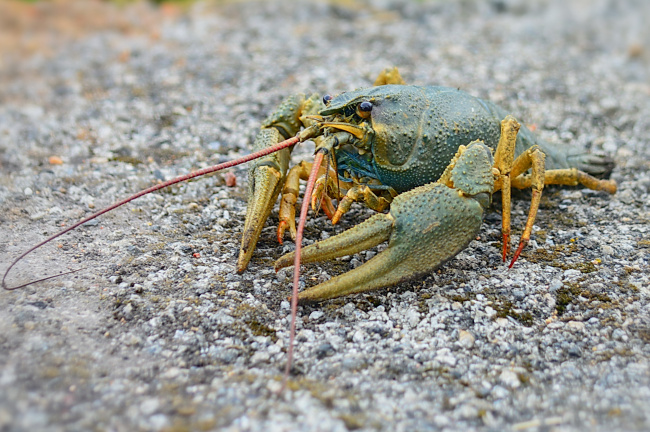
x: 242, y: 263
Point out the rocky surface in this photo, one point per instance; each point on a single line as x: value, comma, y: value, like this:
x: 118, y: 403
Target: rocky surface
x: 159, y: 333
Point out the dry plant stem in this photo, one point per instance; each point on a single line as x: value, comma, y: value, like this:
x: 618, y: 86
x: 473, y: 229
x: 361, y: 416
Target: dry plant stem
x: 318, y: 160
x: 225, y: 165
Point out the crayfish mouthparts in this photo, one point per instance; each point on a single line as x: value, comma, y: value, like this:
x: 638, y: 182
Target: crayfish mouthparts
x: 326, y: 144
x: 309, y: 133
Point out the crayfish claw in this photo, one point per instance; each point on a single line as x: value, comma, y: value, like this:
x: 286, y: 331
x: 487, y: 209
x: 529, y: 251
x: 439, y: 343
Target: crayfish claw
x: 266, y: 178
x: 425, y: 227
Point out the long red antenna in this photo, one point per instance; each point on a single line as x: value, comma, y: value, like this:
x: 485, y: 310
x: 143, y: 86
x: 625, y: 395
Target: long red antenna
x: 250, y: 157
x: 318, y: 160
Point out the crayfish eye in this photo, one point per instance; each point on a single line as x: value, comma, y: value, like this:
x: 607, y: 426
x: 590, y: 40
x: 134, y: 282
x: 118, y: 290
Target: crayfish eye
x: 326, y: 99
x: 363, y: 109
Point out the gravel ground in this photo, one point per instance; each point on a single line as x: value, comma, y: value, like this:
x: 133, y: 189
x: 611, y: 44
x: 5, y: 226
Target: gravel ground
x: 159, y: 333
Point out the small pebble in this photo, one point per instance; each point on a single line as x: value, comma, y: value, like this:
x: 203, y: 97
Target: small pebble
x: 358, y: 337
x: 509, y: 379
x: 316, y: 315
x: 231, y: 179
x: 576, y: 326
x: 465, y: 339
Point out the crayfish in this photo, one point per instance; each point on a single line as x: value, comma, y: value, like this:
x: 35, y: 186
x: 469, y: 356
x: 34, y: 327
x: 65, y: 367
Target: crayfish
x: 427, y: 159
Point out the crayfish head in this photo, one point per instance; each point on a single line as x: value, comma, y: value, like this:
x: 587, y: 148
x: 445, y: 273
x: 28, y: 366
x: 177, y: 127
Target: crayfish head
x: 392, y: 118
x: 353, y: 112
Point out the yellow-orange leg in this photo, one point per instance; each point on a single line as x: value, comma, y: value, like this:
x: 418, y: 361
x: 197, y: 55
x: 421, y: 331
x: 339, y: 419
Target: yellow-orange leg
x: 325, y: 203
x: 361, y: 193
x: 324, y: 190
x: 534, y: 159
x: 290, y: 194
x: 539, y: 177
x: 568, y: 177
x: 508, y: 169
x: 503, y: 162
x: 510, y: 173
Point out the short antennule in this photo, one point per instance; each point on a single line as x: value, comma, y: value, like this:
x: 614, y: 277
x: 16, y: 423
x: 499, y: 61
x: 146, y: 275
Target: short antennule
x: 201, y: 172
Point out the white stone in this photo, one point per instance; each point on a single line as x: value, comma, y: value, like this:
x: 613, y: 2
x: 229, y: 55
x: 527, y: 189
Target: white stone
x: 509, y: 379
x: 576, y: 326
x: 316, y: 315
x: 465, y: 339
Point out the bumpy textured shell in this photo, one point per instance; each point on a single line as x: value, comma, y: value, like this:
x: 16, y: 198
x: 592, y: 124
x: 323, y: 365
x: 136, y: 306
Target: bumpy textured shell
x: 419, y: 129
